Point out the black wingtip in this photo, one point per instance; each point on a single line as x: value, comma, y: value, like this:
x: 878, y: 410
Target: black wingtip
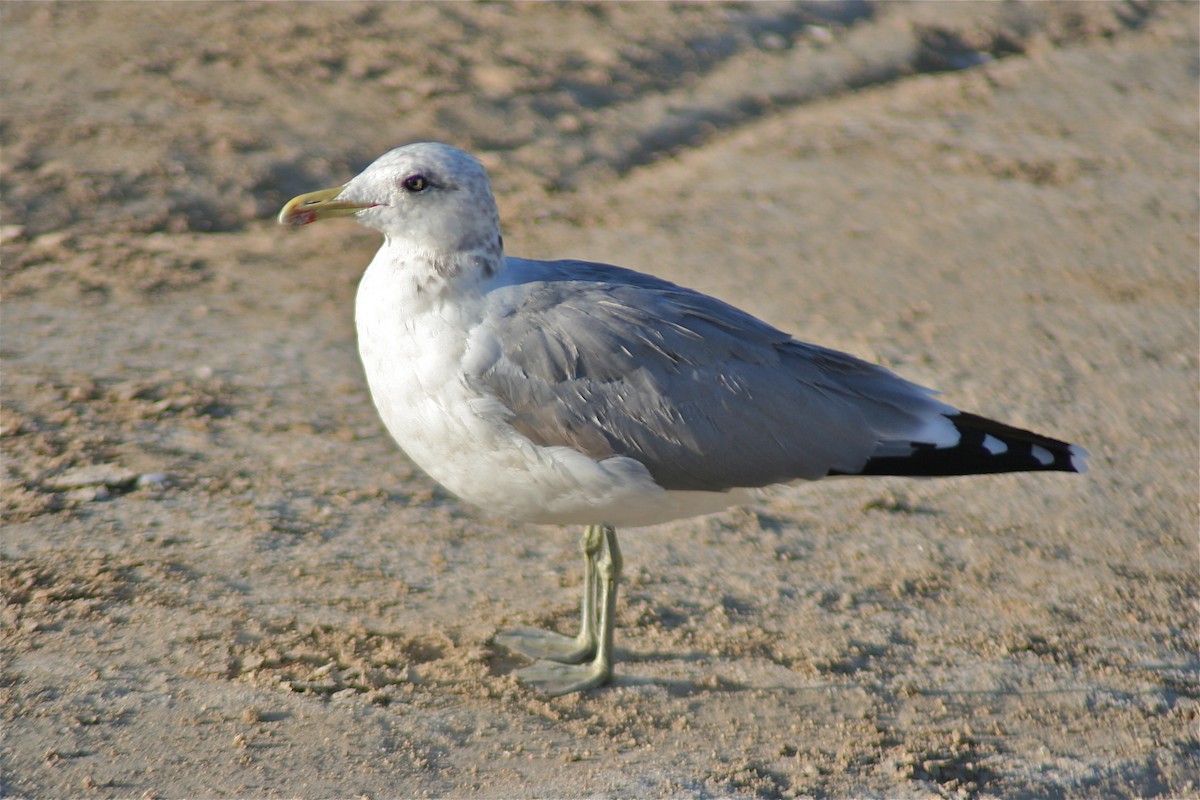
x: 985, y: 446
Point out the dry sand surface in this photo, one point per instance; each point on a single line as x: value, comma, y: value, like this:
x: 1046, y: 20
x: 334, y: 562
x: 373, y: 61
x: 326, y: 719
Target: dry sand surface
x: 221, y: 578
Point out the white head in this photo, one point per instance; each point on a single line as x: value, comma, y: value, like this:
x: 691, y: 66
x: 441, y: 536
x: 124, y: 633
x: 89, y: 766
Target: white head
x: 426, y: 197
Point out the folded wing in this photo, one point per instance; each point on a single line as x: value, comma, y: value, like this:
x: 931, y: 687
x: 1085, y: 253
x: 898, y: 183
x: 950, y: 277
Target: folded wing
x: 616, y: 363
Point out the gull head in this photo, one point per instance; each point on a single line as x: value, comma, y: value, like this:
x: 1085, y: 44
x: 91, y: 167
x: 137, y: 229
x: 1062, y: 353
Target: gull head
x: 426, y: 196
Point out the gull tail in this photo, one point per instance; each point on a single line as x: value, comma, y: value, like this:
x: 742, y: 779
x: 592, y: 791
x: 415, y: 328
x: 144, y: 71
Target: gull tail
x: 983, y: 446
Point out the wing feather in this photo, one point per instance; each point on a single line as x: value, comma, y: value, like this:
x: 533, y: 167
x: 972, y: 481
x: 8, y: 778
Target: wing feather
x: 616, y: 363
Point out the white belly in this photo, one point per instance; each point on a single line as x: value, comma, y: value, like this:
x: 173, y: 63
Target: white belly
x: 413, y: 362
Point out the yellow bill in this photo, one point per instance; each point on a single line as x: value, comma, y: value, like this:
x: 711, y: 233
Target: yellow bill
x: 319, y: 205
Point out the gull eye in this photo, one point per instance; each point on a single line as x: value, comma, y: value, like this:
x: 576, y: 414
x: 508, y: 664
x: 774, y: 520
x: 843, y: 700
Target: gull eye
x: 415, y: 183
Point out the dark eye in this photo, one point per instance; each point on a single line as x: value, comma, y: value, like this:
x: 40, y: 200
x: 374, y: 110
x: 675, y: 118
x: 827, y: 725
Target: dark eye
x: 415, y: 183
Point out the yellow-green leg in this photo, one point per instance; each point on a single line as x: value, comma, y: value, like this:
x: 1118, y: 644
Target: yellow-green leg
x: 556, y: 678
x: 552, y: 646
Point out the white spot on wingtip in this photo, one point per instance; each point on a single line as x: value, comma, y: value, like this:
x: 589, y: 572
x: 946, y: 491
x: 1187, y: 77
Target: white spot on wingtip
x: 1079, y: 458
x: 1043, y: 456
x: 994, y: 445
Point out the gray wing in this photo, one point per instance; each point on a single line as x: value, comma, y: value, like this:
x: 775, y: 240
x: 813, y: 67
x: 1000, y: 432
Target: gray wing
x: 612, y: 362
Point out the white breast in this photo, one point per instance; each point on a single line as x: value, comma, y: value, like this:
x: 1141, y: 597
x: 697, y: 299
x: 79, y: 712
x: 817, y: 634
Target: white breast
x: 412, y: 349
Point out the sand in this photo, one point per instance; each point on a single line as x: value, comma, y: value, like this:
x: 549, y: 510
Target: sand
x: 221, y: 578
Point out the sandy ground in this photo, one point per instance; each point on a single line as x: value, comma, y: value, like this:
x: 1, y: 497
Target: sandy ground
x: 221, y: 578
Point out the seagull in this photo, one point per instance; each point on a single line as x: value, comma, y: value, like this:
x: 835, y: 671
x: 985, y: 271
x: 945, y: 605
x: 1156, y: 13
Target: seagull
x: 578, y: 393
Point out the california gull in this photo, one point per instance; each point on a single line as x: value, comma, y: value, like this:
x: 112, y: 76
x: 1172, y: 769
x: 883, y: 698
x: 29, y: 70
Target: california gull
x: 571, y: 392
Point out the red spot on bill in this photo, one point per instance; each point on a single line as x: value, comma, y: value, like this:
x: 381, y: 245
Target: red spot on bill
x: 299, y: 219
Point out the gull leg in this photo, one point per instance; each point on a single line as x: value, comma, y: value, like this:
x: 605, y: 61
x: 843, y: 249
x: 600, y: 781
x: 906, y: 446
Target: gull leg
x: 541, y: 644
x: 556, y: 678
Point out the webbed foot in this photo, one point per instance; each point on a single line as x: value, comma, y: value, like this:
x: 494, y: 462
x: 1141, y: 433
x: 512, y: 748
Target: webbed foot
x: 554, y: 679
x: 547, y: 645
